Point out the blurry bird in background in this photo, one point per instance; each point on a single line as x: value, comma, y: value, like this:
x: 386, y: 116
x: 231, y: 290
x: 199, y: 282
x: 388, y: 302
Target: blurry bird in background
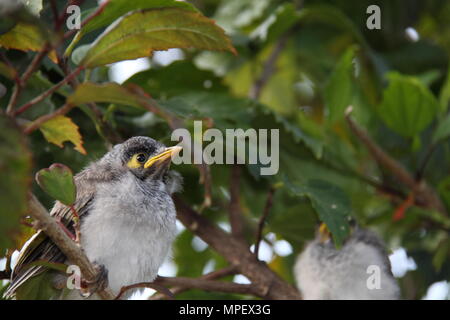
x: 359, y: 270
x: 127, y: 219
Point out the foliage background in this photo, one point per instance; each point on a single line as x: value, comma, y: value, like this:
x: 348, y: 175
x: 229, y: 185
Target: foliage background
x: 323, y: 59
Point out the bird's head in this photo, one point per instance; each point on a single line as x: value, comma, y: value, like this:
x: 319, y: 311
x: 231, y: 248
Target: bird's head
x: 143, y: 156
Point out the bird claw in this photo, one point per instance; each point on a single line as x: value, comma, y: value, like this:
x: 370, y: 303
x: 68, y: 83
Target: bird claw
x: 88, y: 288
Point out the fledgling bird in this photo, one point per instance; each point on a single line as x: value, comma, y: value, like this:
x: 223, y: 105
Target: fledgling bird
x: 323, y: 272
x: 127, y: 218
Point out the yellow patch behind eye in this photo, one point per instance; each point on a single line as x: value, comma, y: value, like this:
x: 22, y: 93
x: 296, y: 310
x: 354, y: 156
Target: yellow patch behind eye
x: 134, y: 163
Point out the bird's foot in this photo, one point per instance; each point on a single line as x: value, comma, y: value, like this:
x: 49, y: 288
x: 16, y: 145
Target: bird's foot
x: 88, y: 288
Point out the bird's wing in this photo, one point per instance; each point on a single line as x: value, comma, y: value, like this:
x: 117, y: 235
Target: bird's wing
x: 41, y: 248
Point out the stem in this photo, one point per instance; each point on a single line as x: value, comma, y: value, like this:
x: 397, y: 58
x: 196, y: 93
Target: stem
x: 263, y: 218
x: 39, y: 121
x: 47, y: 93
x: 424, y: 193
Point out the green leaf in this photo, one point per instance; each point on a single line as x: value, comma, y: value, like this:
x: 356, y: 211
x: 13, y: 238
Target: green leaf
x: 37, y: 288
x: 171, y: 80
x: 444, y: 97
x: 114, y: 9
x: 15, y: 170
x: 6, y: 71
x: 57, y: 181
x: 408, y: 107
x: 340, y: 90
x: 140, y: 33
x: 442, y: 132
x: 106, y: 92
x: 331, y: 204
x: 60, y: 129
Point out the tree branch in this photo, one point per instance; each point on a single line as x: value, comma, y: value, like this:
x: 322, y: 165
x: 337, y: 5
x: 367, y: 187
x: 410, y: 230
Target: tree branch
x: 235, y: 214
x: 209, y: 276
x: 39, y: 121
x: 267, y: 283
x: 151, y: 285
x: 45, y: 94
x: 269, y: 67
x: 425, y: 195
x: 47, y: 223
x: 263, y: 218
x: 208, y: 285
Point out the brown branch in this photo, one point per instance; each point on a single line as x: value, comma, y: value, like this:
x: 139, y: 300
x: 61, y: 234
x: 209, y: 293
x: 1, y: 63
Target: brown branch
x: 267, y: 283
x: 262, y: 220
x: 209, y: 285
x: 21, y: 82
x: 151, y: 285
x: 425, y: 195
x: 269, y: 67
x: 235, y: 214
x: 39, y: 121
x: 45, y: 94
x: 209, y: 276
x: 49, y: 225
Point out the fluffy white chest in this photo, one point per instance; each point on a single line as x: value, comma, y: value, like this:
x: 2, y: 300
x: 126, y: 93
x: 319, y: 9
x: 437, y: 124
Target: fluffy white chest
x: 129, y: 230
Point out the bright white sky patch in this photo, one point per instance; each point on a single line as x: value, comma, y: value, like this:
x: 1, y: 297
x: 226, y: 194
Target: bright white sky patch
x: 438, y: 291
x: 198, y: 244
x: 401, y: 263
x: 239, y: 278
x: 282, y: 248
x: 164, y: 58
x: 265, y: 251
x: 412, y: 34
x: 121, y: 71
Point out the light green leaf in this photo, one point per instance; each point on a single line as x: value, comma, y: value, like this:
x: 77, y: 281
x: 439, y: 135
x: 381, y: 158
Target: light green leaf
x: 15, y: 170
x: 442, y: 132
x: 408, y: 107
x: 331, y: 204
x: 140, y: 33
x: 61, y: 129
x: 57, y: 181
x: 340, y: 89
x: 444, y: 97
x: 106, y: 92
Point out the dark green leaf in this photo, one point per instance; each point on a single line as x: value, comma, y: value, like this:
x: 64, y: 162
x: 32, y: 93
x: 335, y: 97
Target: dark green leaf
x: 57, y: 181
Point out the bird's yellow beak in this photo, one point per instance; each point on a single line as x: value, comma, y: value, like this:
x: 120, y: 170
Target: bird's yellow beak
x: 168, y: 153
x: 324, y: 233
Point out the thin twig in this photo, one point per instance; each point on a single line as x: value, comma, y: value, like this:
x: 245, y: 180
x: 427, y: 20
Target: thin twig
x: 424, y: 193
x: 217, y: 274
x: 269, y: 67
x: 21, y: 82
x: 39, y: 121
x: 151, y: 285
x: 74, y: 253
x: 235, y: 214
x: 263, y: 218
x: 47, y: 93
x: 208, y: 285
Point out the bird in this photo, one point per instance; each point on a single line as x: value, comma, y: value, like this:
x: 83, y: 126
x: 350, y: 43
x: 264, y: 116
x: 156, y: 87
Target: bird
x: 127, y: 219
x: 360, y: 270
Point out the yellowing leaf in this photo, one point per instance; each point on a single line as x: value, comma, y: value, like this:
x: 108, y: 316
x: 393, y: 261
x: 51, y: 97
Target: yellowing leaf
x: 61, y: 129
x: 140, y: 33
x: 25, y: 37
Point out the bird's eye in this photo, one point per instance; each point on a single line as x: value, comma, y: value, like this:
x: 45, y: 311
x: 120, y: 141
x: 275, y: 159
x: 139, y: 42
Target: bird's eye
x: 141, y: 158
